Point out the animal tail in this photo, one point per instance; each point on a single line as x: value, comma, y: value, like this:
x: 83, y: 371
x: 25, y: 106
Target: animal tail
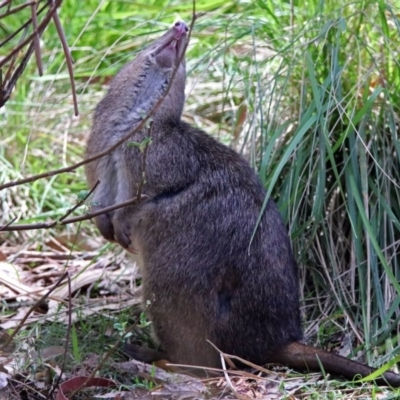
x: 300, y: 356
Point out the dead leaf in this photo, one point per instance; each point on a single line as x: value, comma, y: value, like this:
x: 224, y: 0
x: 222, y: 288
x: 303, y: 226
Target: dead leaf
x: 10, y: 277
x: 3, y: 380
x: 82, y: 382
x: 48, y: 353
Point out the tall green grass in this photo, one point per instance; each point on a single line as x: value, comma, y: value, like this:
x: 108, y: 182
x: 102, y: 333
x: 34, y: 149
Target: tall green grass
x: 308, y: 91
x: 329, y: 153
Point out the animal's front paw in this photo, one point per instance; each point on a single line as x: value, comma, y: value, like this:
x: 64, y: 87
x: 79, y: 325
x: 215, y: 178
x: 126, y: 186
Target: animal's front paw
x: 123, y: 230
x: 105, y: 226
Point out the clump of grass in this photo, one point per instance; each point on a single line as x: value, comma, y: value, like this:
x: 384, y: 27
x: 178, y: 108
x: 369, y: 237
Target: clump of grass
x: 323, y: 132
x: 318, y: 86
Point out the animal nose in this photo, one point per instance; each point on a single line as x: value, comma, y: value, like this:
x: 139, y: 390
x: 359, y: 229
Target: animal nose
x: 181, y: 26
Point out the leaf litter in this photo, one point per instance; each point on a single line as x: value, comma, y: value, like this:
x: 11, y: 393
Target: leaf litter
x: 108, y: 285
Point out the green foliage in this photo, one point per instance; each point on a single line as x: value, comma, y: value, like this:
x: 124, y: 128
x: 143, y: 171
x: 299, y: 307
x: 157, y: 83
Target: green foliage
x: 329, y: 153
x: 75, y: 345
x: 142, y: 146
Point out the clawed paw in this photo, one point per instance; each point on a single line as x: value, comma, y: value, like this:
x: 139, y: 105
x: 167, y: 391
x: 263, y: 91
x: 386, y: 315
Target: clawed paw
x: 123, y: 238
x: 123, y: 231
x: 105, y: 226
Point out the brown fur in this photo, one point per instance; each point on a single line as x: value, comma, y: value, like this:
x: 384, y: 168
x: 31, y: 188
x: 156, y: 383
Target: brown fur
x: 204, y: 277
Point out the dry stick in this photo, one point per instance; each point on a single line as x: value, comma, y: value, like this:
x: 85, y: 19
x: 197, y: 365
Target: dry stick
x: 10, y: 82
x: 68, y: 58
x: 80, y: 202
x: 43, y: 298
x: 5, y: 2
x: 114, y: 146
x: 23, y: 26
x: 36, y: 39
x: 227, y: 359
x: 102, y: 211
x: 5, y: 226
x: 17, y: 8
x: 27, y: 227
x: 242, y: 360
x: 48, y: 225
x: 229, y: 382
x: 64, y: 361
x: 43, y: 24
x: 11, y: 66
x: 6, y: 93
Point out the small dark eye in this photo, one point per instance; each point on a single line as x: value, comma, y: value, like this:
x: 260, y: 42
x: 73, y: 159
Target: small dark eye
x: 177, y: 23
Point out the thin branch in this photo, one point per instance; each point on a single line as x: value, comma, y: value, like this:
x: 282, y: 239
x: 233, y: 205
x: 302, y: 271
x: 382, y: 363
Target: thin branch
x: 6, y: 93
x: 23, y: 26
x: 80, y: 202
x: 39, y: 29
x: 68, y: 58
x: 102, y: 211
x: 5, y: 2
x: 5, y: 226
x: 13, y: 60
x: 36, y: 39
x: 9, y: 83
x: 51, y: 224
x: 27, y: 227
x: 229, y: 382
x: 16, y: 9
x: 114, y: 146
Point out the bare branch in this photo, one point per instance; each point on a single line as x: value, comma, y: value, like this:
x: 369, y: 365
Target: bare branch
x: 51, y: 224
x: 16, y: 9
x: 103, y: 211
x: 5, y: 95
x: 36, y: 39
x: 22, y: 27
x: 80, y: 202
x: 10, y: 223
x: 12, y: 63
x: 12, y: 75
x: 5, y: 2
x: 68, y: 58
x: 39, y: 29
